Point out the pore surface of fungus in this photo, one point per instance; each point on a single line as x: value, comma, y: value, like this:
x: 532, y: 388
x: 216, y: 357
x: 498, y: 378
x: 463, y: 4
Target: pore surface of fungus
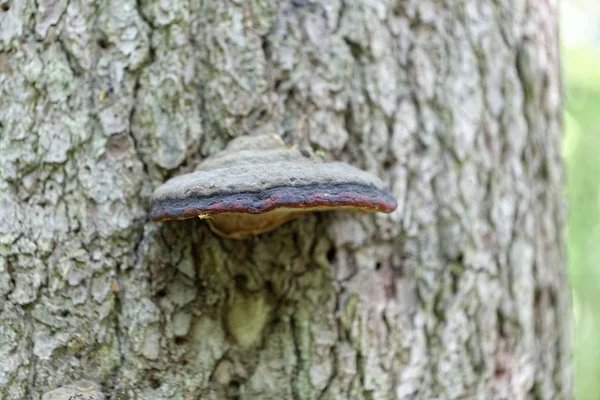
x: 257, y: 183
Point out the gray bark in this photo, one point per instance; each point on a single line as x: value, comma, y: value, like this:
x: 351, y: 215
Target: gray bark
x: 460, y: 293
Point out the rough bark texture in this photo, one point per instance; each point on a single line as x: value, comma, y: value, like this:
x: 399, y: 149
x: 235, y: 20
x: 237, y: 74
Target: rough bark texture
x: 460, y: 293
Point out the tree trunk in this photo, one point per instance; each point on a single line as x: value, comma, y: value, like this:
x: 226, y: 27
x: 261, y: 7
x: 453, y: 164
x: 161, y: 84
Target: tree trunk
x: 460, y: 293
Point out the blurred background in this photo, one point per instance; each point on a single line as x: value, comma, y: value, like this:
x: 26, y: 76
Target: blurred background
x: 580, y: 31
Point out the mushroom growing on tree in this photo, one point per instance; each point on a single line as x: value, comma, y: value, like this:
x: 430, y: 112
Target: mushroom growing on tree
x: 257, y: 183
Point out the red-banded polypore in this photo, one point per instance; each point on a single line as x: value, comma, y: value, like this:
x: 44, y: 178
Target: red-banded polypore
x: 257, y: 183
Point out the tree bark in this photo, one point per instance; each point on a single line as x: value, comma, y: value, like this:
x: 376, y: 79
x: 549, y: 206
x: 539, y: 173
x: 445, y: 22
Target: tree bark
x: 460, y: 293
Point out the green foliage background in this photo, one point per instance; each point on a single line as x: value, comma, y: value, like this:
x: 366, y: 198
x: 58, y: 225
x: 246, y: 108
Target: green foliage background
x: 581, y: 147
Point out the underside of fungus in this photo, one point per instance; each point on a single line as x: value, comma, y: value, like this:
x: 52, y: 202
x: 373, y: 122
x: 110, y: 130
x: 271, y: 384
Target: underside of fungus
x: 257, y: 184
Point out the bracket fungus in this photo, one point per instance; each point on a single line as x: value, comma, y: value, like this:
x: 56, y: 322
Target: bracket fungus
x: 257, y: 183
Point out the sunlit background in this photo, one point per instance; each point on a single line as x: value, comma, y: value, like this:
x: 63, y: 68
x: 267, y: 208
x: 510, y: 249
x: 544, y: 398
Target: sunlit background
x: 580, y: 31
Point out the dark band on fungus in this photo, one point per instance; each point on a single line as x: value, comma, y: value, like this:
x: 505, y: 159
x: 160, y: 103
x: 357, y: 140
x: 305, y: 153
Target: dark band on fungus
x: 312, y: 195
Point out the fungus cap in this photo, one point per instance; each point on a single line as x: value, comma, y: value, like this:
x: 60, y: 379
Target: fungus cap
x: 257, y: 184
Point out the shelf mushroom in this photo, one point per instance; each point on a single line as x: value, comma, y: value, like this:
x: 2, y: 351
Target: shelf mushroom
x: 257, y: 183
